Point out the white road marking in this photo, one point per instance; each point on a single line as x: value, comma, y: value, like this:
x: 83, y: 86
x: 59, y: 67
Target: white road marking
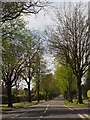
x: 46, y: 108
x: 16, y: 116
x: 87, y: 115
x: 70, y: 108
x: 44, y: 111
x: 81, y: 116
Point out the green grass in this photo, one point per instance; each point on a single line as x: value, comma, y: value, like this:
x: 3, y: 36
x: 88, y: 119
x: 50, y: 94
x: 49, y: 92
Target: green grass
x: 20, y: 105
x: 24, y: 104
x: 74, y: 104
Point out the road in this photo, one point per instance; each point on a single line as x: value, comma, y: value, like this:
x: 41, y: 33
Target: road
x: 51, y: 110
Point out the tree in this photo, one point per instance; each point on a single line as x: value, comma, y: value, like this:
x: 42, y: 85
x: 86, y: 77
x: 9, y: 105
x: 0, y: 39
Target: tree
x: 11, y: 69
x: 12, y: 10
x: 40, y: 68
x: 49, y: 86
x: 12, y: 56
x: 86, y: 85
x: 31, y: 50
x: 45, y: 84
x: 71, y: 40
x: 66, y: 79
x: 87, y: 81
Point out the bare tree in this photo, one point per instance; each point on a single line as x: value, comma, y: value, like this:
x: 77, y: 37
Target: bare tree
x: 71, y: 40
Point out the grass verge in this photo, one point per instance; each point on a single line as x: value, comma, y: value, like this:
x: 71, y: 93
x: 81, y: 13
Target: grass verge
x: 20, y: 105
x: 74, y: 104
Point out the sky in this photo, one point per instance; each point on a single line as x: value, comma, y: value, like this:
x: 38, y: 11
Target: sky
x: 40, y: 22
x: 43, y: 18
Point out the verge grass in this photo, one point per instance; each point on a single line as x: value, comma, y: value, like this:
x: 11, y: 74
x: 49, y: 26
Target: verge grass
x: 75, y: 104
x: 20, y: 105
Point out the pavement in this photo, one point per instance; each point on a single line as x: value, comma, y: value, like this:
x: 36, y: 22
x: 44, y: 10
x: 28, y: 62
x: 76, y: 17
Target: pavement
x: 50, y: 110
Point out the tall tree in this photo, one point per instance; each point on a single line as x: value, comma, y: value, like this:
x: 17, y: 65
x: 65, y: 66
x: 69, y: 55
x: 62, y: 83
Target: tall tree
x: 87, y: 81
x: 71, y: 40
x: 31, y: 47
x: 40, y: 68
x: 12, y: 55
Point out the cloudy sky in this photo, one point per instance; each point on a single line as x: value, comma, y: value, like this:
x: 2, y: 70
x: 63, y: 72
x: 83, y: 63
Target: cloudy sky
x: 43, y: 19
x: 40, y: 22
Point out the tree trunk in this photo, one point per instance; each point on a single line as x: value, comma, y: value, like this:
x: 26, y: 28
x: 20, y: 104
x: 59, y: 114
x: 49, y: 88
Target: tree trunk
x: 79, y: 94
x: 38, y: 89
x: 46, y: 95
x: 9, y: 94
x: 29, y: 93
x: 69, y: 92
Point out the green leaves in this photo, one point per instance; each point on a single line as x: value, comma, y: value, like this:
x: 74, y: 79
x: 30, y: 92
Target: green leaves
x: 64, y: 76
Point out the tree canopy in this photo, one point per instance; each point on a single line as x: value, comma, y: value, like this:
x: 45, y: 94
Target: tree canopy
x: 70, y: 40
x: 12, y: 10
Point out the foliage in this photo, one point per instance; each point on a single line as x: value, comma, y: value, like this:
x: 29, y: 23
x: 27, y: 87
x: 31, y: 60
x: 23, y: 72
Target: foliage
x: 87, y: 79
x: 88, y: 94
x: 63, y: 74
x: 86, y: 85
x: 18, y: 92
x: 13, y: 39
x: 66, y: 79
x: 70, y: 40
x: 49, y: 86
x: 75, y: 104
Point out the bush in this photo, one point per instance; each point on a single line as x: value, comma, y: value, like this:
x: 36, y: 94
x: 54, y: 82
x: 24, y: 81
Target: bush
x: 15, y: 99
x: 88, y: 94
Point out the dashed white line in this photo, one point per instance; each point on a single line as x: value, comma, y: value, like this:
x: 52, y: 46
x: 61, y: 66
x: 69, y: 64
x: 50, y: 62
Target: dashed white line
x: 81, y: 116
x: 87, y: 116
x: 46, y: 108
x: 70, y: 108
x: 44, y: 111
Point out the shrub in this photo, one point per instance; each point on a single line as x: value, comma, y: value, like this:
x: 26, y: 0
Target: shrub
x: 88, y: 94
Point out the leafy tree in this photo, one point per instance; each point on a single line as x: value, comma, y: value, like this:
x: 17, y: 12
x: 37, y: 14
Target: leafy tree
x: 45, y: 84
x: 71, y: 40
x: 87, y: 81
x: 11, y: 68
x: 31, y: 47
x: 86, y: 85
x: 88, y: 94
x: 40, y: 69
x: 12, y: 56
x: 49, y: 86
x: 66, y: 80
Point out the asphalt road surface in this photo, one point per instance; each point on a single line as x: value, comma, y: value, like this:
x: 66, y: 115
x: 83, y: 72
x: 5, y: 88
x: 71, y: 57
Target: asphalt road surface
x: 51, y: 110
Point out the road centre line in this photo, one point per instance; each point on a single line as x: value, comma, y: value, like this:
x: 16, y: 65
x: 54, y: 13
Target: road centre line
x: 46, y: 108
x: 87, y: 116
x: 44, y: 111
x: 81, y: 116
